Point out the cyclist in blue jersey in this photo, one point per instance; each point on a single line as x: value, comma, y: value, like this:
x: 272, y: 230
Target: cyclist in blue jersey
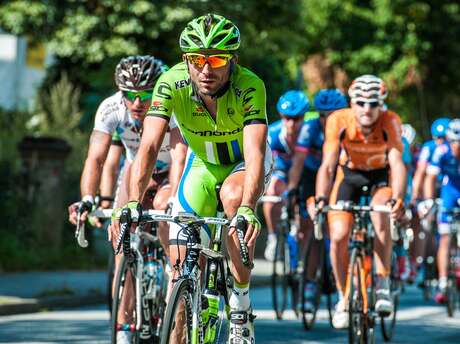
x: 296, y: 144
x: 445, y: 163
x: 438, y: 133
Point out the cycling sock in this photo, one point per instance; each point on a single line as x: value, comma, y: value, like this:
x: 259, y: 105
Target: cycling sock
x: 271, y: 236
x: 383, y: 282
x: 442, y: 282
x: 239, y: 300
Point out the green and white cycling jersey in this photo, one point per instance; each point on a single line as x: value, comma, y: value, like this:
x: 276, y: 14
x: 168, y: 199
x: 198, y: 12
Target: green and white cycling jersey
x: 114, y: 118
x: 218, y: 141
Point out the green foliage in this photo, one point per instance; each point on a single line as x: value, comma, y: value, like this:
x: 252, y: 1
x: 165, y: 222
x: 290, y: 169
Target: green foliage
x: 91, y: 36
x: 410, y: 44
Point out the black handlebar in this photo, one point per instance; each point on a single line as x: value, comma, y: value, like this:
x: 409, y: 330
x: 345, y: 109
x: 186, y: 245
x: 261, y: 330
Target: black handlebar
x: 241, y: 227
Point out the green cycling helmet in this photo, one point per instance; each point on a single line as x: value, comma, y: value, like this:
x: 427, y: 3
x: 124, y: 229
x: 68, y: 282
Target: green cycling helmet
x: 209, y: 32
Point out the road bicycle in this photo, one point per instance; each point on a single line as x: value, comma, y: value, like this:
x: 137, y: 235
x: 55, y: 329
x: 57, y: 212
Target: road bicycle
x: 285, y: 277
x: 140, y: 286
x: 360, y: 284
x: 199, y: 302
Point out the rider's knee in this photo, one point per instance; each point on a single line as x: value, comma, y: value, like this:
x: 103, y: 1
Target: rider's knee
x: 382, y: 196
x: 231, y: 196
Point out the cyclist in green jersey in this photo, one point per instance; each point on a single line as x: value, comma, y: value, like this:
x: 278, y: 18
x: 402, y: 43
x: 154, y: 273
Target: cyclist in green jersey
x: 220, y: 108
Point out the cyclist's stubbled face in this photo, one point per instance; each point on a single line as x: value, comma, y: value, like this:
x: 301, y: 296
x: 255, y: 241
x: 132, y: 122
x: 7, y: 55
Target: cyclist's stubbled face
x: 292, y: 125
x: 138, y: 108
x: 209, y: 80
x: 366, y: 114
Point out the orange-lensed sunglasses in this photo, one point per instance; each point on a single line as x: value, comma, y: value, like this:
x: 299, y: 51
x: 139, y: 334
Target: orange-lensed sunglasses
x: 215, y: 61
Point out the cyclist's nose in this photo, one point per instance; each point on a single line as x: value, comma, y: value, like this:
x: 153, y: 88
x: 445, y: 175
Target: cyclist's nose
x: 207, y: 69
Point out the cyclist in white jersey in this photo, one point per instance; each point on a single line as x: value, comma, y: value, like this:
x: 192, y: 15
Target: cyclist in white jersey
x: 123, y: 113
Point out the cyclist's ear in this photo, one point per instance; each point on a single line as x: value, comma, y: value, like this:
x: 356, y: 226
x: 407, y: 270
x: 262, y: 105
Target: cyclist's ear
x: 234, y: 59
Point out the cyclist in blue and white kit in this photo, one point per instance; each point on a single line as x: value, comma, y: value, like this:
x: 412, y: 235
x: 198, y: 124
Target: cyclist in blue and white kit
x: 438, y: 133
x: 297, y: 144
x: 445, y: 163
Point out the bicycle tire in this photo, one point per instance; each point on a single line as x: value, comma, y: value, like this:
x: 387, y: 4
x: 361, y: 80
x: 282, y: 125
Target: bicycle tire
x: 110, y: 277
x: 388, y: 324
x: 452, y: 291
x: 308, y: 318
x: 120, y: 280
x: 279, y: 278
x: 181, y: 292
x: 357, y: 329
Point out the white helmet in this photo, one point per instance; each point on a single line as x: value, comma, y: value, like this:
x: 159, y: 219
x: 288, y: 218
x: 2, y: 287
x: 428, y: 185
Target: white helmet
x: 453, y: 130
x: 368, y: 88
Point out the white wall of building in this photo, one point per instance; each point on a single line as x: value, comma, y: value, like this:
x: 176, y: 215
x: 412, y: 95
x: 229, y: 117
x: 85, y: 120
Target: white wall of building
x: 22, y: 69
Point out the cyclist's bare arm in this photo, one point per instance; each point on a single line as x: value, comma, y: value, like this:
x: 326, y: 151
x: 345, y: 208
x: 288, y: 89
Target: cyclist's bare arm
x: 295, y: 172
x: 99, y: 144
x: 178, y: 155
x: 110, y: 173
x: 326, y: 171
x: 430, y: 185
x: 146, y: 157
x: 417, y: 181
x: 254, y: 145
x: 399, y: 171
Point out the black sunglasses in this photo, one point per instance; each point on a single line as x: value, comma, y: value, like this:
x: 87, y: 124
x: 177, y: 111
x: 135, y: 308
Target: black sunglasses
x: 372, y: 105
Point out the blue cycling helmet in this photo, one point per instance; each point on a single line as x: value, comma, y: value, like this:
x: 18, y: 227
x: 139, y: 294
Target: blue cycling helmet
x: 439, y: 127
x: 293, y: 103
x: 328, y: 100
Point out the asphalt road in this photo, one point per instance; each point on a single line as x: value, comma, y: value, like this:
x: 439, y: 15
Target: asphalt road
x: 418, y: 322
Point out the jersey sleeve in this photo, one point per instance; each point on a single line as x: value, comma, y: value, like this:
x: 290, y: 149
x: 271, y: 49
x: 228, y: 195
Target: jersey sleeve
x: 425, y: 154
x: 394, y: 132
x: 332, y: 133
x: 254, y: 100
x: 116, y: 139
x: 106, y: 119
x: 162, y: 99
x: 305, y: 138
x: 435, y: 163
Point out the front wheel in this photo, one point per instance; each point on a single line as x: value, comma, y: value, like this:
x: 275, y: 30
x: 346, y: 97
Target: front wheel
x: 280, y: 276
x: 177, y: 325
x: 358, y: 329
x: 124, y: 316
x: 309, y: 315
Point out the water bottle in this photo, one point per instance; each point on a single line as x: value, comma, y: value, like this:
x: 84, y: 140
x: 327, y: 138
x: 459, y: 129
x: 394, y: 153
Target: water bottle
x: 148, y: 282
x: 212, y: 301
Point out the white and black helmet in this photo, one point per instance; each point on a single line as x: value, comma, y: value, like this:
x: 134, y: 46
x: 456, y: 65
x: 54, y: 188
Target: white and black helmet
x: 367, y: 88
x: 138, y: 72
x: 453, y: 130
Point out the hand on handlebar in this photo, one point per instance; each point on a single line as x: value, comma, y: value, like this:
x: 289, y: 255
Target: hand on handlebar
x: 134, y: 209
x: 315, y: 205
x: 253, y: 229
x: 397, y: 208
x: 82, y: 208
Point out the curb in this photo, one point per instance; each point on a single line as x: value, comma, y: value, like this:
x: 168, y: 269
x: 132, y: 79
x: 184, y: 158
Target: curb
x: 21, y: 306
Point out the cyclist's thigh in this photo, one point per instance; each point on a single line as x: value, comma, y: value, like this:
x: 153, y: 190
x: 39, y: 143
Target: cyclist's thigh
x: 163, y: 192
x: 237, y: 173
x: 196, y: 194
x: 278, y: 183
x: 307, y: 188
x: 340, y: 221
x: 122, y: 196
x: 449, y: 199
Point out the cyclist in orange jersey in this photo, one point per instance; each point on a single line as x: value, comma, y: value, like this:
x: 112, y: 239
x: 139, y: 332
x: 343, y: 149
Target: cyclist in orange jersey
x: 365, y: 142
